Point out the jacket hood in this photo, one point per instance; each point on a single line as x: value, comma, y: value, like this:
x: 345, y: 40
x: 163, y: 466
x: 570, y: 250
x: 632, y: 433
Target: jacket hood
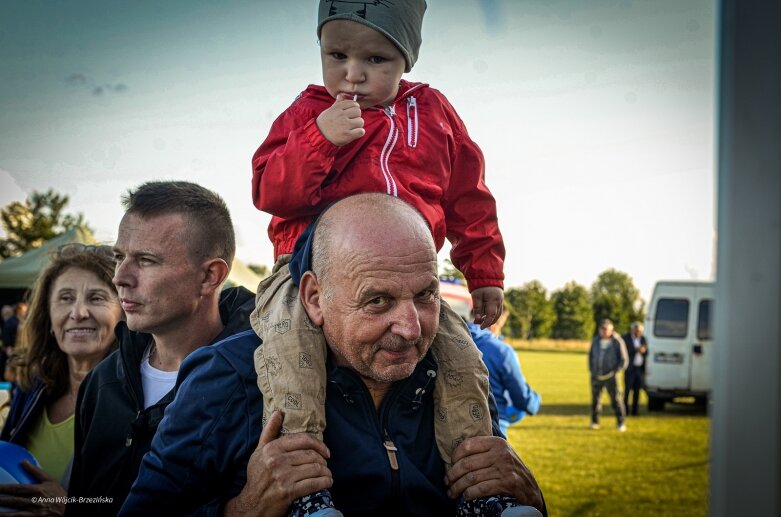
x: 236, y: 304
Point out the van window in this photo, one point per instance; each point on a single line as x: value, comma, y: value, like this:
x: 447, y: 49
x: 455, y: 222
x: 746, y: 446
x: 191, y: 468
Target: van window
x: 672, y: 317
x: 704, y: 328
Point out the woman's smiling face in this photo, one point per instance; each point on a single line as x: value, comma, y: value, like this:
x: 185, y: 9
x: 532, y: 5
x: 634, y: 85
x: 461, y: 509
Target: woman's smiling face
x: 83, y: 312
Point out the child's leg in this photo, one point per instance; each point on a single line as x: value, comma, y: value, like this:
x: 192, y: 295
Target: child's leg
x: 461, y: 387
x: 461, y: 406
x: 291, y: 361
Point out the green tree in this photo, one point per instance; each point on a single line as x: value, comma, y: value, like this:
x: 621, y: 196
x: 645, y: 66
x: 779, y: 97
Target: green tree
x: 513, y: 327
x: 614, y: 296
x: 261, y: 270
x: 574, y: 317
x: 448, y: 270
x: 532, y: 314
x: 40, y: 218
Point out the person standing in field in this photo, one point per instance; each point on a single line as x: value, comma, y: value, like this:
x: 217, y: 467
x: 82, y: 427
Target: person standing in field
x: 634, y: 376
x: 514, y: 397
x: 606, y: 358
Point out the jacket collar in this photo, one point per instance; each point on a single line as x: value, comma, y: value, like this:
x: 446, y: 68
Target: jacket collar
x: 412, y: 389
x: 319, y: 93
x: 236, y: 304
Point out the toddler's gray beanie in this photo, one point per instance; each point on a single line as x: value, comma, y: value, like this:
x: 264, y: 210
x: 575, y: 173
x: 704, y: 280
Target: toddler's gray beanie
x: 398, y: 20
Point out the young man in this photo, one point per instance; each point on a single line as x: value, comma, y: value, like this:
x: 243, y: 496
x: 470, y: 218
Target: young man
x: 173, y: 253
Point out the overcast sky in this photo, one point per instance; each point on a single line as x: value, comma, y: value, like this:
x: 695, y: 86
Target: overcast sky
x: 596, y: 117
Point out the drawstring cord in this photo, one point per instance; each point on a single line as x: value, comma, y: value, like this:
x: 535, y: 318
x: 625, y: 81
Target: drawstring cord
x: 418, y: 400
x: 347, y: 397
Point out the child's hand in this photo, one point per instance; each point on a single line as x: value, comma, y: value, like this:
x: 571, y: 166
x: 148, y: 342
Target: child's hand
x: 487, y: 302
x: 342, y: 122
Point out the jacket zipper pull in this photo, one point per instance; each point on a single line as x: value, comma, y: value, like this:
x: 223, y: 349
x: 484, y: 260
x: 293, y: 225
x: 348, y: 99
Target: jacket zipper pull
x: 412, y: 122
x: 129, y: 438
x: 391, y: 449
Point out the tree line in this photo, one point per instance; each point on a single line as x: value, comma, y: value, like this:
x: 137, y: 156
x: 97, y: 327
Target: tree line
x: 573, y: 311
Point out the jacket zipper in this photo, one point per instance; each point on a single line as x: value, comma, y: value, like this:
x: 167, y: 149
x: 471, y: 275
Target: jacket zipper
x: 139, y: 406
x: 390, y: 447
x: 412, y: 122
x: 390, y: 143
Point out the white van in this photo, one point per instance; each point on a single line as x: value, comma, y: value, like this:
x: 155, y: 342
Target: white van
x: 680, y: 342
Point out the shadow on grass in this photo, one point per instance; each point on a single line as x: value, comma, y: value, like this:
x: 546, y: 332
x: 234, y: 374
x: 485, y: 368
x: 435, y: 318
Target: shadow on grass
x: 565, y: 409
x: 681, y: 408
x: 670, y: 410
x: 584, y: 509
x: 684, y: 466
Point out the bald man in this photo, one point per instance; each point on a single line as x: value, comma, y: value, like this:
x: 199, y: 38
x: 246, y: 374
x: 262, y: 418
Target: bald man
x: 373, y: 291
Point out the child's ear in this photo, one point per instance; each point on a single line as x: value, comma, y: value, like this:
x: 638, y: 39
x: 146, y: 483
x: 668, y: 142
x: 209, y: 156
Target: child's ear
x: 310, y: 294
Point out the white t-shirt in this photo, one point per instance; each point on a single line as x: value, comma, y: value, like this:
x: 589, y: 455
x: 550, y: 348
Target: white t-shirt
x: 156, y: 383
x: 638, y: 361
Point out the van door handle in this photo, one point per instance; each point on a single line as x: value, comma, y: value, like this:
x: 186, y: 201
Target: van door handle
x: 697, y: 348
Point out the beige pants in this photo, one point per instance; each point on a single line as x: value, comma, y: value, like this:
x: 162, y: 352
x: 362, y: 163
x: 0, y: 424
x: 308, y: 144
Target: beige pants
x: 292, y: 375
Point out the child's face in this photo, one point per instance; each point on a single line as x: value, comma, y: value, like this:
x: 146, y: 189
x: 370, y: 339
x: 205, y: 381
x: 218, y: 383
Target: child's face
x: 358, y: 60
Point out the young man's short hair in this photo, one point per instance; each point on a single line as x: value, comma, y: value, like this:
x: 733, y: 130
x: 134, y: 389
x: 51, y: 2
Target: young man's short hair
x: 210, y: 227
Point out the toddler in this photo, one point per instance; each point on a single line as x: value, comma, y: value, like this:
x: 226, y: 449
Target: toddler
x: 367, y: 130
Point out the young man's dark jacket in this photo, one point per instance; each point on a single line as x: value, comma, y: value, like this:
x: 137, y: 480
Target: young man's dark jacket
x: 113, y: 431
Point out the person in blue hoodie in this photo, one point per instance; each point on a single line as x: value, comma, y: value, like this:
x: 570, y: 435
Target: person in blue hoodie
x: 373, y: 291
x: 514, y: 397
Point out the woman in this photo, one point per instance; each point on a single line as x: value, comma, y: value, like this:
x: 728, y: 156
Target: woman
x: 70, y: 328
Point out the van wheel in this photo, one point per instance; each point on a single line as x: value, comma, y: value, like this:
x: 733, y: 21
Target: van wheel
x: 655, y: 404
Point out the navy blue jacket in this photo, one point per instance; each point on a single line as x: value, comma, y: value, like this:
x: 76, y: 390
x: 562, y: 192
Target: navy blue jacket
x: 631, y: 351
x: 26, y: 408
x: 199, y: 455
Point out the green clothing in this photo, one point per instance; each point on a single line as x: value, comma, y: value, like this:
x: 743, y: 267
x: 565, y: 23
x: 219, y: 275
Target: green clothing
x: 52, y: 444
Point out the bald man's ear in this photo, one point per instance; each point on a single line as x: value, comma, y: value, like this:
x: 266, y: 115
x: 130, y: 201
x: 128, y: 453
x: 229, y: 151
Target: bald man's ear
x: 310, y: 294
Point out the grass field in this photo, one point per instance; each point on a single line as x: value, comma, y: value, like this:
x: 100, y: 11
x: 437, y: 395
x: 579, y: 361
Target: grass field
x: 658, y: 467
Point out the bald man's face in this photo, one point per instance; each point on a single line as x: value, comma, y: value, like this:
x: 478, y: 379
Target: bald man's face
x: 380, y: 306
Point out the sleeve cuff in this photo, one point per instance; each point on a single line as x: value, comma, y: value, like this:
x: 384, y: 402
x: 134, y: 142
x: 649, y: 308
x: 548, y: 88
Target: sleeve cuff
x: 477, y: 283
x: 317, y: 140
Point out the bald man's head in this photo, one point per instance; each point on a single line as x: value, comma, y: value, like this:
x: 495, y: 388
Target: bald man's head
x: 364, y: 220
x: 373, y: 287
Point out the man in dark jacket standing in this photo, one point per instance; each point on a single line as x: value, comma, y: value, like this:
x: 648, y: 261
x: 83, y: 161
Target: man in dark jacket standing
x: 606, y: 358
x: 634, y: 376
x: 373, y: 291
x: 173, y: 253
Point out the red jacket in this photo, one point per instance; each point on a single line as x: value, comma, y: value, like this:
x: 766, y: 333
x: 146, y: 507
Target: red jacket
x: 417, y: 149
